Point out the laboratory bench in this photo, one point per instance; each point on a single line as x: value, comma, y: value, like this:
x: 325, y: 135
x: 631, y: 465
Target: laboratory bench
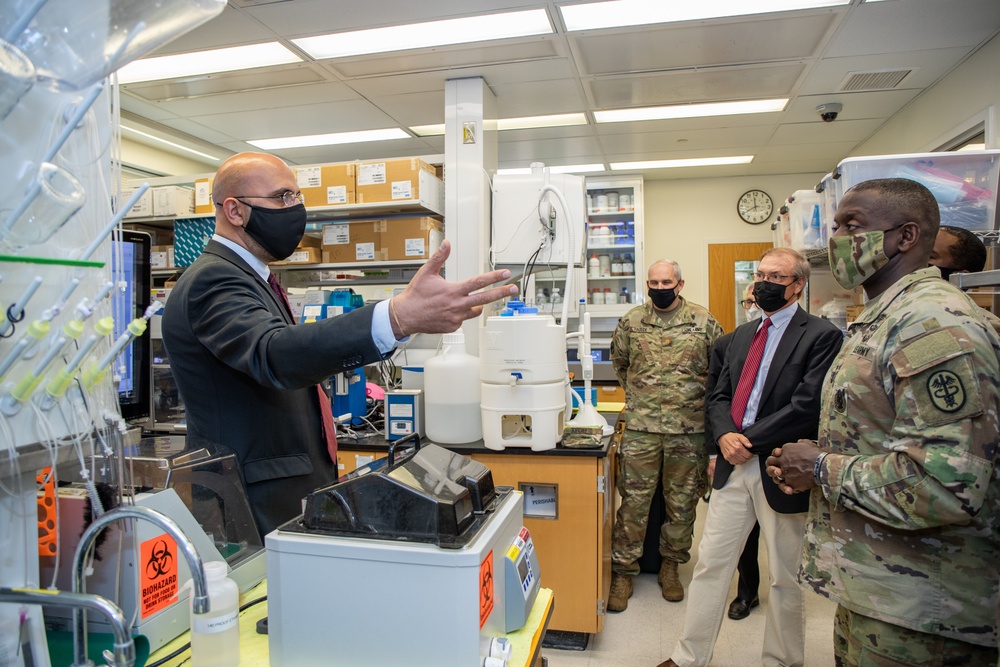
x: 526, y: 643
x: 568, y: 507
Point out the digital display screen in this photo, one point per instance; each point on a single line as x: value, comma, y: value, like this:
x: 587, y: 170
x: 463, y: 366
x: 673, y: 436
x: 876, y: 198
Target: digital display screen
x: 130, y: 299
x: 522, y: 567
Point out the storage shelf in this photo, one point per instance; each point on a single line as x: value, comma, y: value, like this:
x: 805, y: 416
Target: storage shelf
x: 324, y: 275
x: 611, y: 247
x: 609, y: 214
x: 628, y: 277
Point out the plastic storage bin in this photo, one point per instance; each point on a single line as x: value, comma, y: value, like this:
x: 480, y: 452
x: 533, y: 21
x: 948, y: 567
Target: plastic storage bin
x: 806, y: 229
x: 963, y: 182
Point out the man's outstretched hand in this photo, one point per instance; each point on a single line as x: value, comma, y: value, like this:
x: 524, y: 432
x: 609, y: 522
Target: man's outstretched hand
x: 431, y: 304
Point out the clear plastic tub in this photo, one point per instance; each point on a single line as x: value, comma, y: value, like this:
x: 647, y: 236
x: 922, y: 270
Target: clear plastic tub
x: 963, y: 182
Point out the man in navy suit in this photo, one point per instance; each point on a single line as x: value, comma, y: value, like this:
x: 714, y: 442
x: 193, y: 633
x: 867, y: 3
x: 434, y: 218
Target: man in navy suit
x: 769, y: 388
x: 250, y: 376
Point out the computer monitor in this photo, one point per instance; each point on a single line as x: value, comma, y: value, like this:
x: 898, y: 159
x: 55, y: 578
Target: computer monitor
x: 134, y: 385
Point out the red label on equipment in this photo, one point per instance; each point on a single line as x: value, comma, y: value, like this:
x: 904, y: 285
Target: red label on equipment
x: 157, y: 574
x: 485, y: 589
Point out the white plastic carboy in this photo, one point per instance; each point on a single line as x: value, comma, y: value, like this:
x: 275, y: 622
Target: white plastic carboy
x: 451, y: 394
x: 523, y: 372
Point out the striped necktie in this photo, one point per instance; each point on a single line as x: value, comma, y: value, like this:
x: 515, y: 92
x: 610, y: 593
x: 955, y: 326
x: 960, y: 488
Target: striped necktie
x: 739, y: 406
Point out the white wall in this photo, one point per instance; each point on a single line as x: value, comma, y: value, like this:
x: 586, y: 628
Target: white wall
x: 971, y: 89
x: 163, y: 162
x: 684, y: 216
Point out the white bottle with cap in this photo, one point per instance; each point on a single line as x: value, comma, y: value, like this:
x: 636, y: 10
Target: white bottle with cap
x: 452, y: 391
x: 215, y: 636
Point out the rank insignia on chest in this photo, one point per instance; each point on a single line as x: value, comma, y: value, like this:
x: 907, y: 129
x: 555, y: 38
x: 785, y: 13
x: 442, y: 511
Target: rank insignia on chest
x: 946, y: 391
x: 840, y: 400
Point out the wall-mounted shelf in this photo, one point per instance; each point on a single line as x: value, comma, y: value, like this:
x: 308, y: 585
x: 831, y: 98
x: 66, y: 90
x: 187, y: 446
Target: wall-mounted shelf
x: 325, y: 275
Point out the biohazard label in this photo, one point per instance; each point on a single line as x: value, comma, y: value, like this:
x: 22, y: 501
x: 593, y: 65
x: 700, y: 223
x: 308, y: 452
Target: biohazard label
x: 157, y: 574
x: 485, y: 589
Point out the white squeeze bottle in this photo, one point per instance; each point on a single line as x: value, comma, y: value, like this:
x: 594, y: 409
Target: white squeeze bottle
x: 215, y: 636
x: 452, y: 391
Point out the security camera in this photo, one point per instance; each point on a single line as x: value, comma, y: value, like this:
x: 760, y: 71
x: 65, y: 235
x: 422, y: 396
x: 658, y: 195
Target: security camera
x: 828, y: 112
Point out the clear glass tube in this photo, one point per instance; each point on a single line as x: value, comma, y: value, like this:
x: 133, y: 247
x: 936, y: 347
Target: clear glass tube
x: 17, y: 75
x: 102, y: 40
x: 55, y: 196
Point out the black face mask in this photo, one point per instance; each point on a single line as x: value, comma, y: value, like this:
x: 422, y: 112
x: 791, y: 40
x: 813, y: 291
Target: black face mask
x: 769, y: 296
x: 946, y: 271
x: 277, y: 230
x: 662, y: 298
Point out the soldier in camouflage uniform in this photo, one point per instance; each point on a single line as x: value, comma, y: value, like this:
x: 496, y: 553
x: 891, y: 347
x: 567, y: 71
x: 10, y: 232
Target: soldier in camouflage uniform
x: 660, y: 352
x: 902, y: 528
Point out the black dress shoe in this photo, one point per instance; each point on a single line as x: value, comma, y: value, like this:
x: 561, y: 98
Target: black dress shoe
x: 740, y: 608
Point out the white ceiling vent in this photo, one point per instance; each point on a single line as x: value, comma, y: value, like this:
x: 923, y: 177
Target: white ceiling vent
x: 874, y: 80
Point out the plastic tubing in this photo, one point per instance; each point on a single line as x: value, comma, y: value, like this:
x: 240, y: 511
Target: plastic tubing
x: 15, y: 312
x: 115, y: 221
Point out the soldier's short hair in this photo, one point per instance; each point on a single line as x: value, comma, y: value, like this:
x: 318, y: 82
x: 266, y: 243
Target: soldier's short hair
x: 967, y: 250
x: 802, y: 268
x: 677, y: 268
x: 910, y: 200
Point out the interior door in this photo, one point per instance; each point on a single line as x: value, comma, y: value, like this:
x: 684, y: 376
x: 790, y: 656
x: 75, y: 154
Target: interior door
x: 724, y: 271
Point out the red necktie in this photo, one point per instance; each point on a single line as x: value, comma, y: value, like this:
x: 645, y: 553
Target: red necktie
x: 328, y: 428
x: 743, y: 388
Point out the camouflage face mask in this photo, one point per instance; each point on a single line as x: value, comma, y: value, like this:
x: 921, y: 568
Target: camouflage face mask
x: 854, y: 259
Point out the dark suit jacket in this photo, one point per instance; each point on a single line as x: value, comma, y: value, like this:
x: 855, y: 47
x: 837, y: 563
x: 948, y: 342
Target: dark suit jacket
x: 789, y: 404
x: 715, y: 364
x: 247, y: 375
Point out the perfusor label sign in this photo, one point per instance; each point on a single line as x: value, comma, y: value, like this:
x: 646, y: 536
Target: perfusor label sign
x: 541, y: 501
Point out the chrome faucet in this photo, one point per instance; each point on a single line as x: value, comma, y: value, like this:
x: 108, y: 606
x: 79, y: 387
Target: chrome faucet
x: 124, y: 654
x: 199, y: 597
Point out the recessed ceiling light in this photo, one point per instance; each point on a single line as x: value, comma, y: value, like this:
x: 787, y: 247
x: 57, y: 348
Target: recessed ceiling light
x: 617, y: 13
x: 529, y: 122
x: 428, y: 130
x: 523, y: 123
x: 207, y: 62
x: 132, y: 130
x: 690, y: 111
x: 563, y: 169
x: 688, y: 162
x: 431, y: 33
x: 329, y: 139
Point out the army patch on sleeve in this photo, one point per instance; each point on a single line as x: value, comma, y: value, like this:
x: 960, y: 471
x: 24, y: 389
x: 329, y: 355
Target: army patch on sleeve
x: 946, y: 391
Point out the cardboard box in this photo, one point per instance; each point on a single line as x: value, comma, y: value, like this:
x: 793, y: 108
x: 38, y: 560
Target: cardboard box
x: 853, y: 312
x: 327, y: 185
x: 162, y: 256
x: 142, y: 208
x: 310, y: 241
x: 394, y: 180
x: 203, y: 196
x: 302, y: 256
x: 411, y: 238
x: 190, y: 238
x: 356, y: 241
x: 173, y: 201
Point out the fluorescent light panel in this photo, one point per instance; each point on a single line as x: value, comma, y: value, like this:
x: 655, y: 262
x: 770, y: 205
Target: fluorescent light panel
x: 198, y: 63
x: 690, y: 111
x: 430, y: 33
x: 132, y: 130
x: 618, y: 13
x: 688, y: 162
x: 563, y: 169
x: 524, y: 123
x: 329, y: 139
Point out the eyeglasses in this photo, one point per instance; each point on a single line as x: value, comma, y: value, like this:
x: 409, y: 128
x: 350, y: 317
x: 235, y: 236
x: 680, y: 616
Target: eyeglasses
x: 771, y: 277
x: 290, y: 198
x: 748, y: 304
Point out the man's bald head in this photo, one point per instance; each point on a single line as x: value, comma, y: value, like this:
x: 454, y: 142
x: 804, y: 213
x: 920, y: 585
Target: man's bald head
x: 240, y: 174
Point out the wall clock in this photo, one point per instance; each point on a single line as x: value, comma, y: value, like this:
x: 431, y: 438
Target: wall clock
x: 754, y: 206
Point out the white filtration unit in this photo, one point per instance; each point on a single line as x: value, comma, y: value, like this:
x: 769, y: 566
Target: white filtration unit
x: 360, y: 588
x: 523, y: 369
